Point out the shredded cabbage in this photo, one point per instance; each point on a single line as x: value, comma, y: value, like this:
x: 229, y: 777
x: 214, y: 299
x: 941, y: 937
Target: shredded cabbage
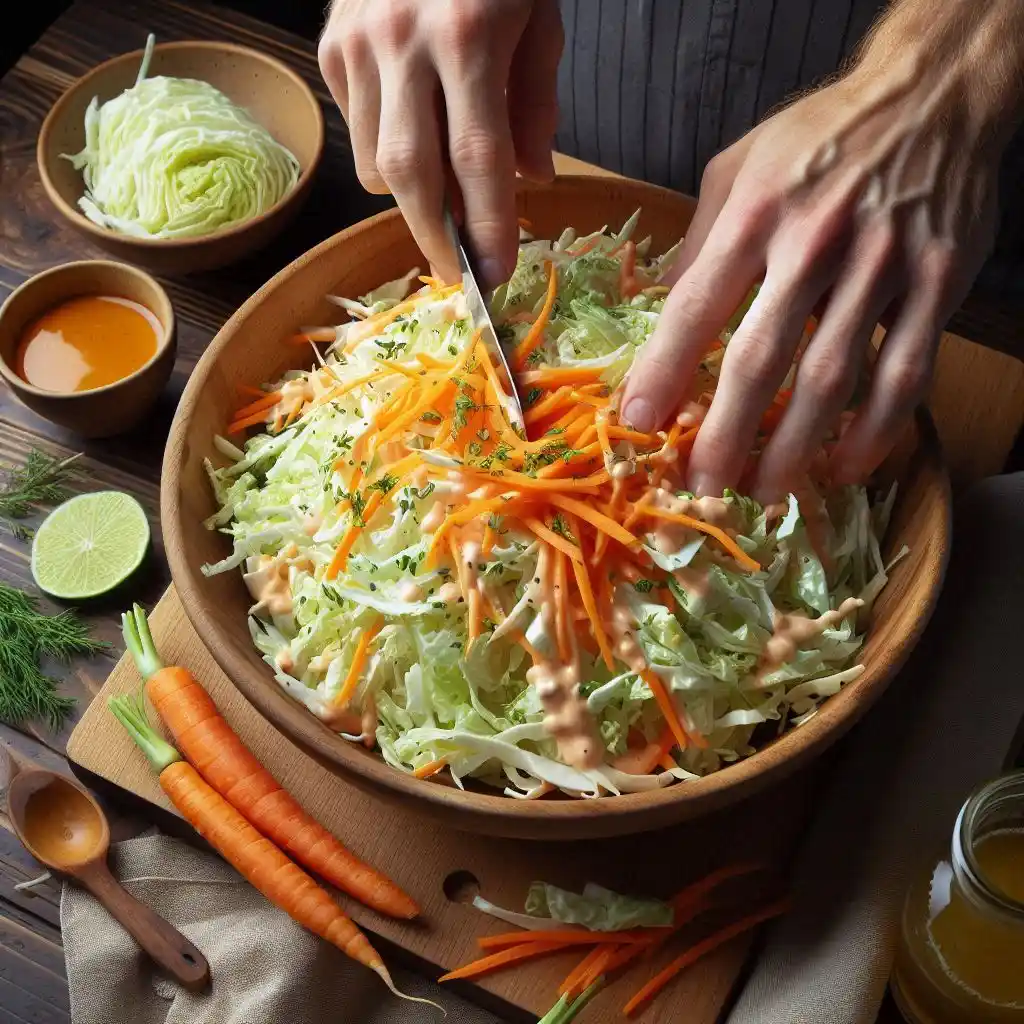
x: 596, y: 908
x: 174, y: 157
x: 284, y: 505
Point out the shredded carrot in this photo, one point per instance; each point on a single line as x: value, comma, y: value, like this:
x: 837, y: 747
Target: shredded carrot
x: 596, y: 519
x: 599, y: 966
x: 248, y: 391
x: 547, y: 405
x: 320, y: 334
x: 637, y: 436
x: 535, y: 335
x: 487, y: 544
x: 595, y: 400
x: 432, y: 282
x: 720, y: 535
x: 503, y: 958
x: 562, y: 624
x: 556, y: 376
x: 573, y: 985
x: 265, y: 401
x: 556, y: 540
x: 340, y: 559
x: 249, y: 421
x: 355, y: 670
x: 701, y: 949
x: 577, y: 485
x: 695, y: 892
x: 667, y: 706
x: 590, y: 604
x: 425, y: 771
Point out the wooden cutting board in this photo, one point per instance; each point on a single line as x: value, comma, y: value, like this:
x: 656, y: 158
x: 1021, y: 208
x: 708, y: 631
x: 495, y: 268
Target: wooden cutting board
x: 439, y: 866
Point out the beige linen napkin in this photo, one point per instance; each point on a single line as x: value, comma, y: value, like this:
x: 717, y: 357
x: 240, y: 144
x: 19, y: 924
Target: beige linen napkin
x: 265, y: 969
x: 946, y: 725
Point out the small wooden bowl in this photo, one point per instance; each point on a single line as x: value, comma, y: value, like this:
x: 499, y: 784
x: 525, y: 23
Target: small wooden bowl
x: 249, y: 349
x: 113, y: 408
x: 273, y: 94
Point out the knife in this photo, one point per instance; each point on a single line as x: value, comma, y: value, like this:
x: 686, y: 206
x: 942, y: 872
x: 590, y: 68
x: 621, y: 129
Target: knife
x: 510, y: 400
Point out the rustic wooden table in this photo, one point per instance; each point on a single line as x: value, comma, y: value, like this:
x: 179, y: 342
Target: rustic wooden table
x: 32, y: 980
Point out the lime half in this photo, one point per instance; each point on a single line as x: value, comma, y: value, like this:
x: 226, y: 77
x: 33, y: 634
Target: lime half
x: 89, y: 545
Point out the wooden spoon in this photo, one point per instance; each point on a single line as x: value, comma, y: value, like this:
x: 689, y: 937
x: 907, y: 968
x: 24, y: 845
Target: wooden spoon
x: 63, y: 827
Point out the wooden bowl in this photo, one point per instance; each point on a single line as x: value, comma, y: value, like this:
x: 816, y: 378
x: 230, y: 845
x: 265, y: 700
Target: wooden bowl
x: 273, y: 94
x: 248, y: 350
x: 113, y: 408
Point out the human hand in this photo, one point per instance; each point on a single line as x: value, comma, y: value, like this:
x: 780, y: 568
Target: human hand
x: 428, y: 84
x: 871, y: 199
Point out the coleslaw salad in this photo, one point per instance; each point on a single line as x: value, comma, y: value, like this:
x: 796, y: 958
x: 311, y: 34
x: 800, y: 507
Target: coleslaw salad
x: 538, y: 613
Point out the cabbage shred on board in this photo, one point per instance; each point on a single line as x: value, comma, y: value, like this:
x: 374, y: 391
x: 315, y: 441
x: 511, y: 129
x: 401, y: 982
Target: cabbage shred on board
x: 539, y: 613
x: 175, y: 158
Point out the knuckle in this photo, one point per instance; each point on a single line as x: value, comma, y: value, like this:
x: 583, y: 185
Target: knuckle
x: 356, y: 51
x: 463, y: 27
x: 331, y: 59
x: 759, y: 358
x: 907, y: 381
x: 393, y: 25
x: 476, y: 154
x: 825, y: 377
x: 396, y: 162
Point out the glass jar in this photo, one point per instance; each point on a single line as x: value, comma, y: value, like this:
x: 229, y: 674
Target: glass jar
x: 960, y: 958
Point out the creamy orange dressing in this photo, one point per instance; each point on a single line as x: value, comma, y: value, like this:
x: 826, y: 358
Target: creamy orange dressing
x: 696, y: 582
x: 449, y: 592
x: 87, y: 342
x: 62, y: 824
x: 434, y: 518
x: 312, y: 522
x: 410, y: 591
x: 270, y: 584
x: 792, y: 630
x: 627, y: 647
x: 368, y: 721
x: 565, y: 713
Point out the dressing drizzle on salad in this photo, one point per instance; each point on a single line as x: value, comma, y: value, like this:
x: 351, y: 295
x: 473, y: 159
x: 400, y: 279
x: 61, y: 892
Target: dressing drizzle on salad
x: 542, y: 612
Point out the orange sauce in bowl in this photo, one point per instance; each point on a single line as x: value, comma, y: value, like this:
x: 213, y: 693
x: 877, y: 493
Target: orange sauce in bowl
x: 87, y: 342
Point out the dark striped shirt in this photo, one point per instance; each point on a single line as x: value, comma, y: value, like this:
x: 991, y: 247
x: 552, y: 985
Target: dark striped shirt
x: 655, y: 88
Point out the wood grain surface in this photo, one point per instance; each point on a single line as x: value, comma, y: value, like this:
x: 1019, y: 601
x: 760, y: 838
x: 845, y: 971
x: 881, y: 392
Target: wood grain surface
x: 977, y: 402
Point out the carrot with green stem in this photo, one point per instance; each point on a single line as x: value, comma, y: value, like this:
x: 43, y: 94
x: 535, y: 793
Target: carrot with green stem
x: 251, y: 853
x: 230, y: 768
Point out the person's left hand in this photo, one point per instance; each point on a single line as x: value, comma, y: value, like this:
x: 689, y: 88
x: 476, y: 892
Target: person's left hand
x: 871, y: 199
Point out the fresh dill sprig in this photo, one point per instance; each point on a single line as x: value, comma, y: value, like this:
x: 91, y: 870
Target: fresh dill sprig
x: 26, y: 635
x: 41, y: 480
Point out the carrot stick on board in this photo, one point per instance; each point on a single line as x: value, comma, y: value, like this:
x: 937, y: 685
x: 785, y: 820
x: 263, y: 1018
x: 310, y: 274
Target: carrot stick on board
x: 254, y: 856
x: 224, y: 761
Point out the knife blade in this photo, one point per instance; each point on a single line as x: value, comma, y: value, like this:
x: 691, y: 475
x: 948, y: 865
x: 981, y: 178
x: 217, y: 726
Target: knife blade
x: 477, y: 304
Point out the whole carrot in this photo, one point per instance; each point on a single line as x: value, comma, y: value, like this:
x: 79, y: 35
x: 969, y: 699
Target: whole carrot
x: 254, y: 856
x: 223, y: 760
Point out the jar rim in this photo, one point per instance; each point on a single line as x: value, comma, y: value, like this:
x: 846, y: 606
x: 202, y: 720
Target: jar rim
x: 1008, y: 788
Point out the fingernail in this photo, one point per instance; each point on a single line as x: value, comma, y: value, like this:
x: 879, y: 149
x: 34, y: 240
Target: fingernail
x: 639, y: 414
x: 493, y: 272
x: 702, y: 485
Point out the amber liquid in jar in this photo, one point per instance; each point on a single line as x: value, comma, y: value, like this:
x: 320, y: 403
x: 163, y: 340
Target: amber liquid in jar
x: 960, y: 958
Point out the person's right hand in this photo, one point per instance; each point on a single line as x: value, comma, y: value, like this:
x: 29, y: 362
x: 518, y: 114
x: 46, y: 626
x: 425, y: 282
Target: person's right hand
x: 425, y: 84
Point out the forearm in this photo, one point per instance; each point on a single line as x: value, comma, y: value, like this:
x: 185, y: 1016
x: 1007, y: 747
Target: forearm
x: 972, y: 48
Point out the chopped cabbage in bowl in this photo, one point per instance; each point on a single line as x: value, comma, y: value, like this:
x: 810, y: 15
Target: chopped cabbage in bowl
x: 461, y: 598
